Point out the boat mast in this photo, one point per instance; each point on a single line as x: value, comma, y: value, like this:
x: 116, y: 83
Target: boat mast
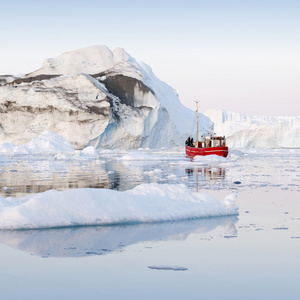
x: 197, y: 121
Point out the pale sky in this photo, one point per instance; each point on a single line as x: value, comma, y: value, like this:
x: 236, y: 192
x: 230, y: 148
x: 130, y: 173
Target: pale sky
x: 238, y: 55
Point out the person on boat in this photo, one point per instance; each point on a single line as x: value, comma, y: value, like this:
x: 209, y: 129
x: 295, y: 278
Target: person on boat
x: 192, y: 142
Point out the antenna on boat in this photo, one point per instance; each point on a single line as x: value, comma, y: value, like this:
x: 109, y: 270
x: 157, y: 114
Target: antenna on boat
x: 197, y: 122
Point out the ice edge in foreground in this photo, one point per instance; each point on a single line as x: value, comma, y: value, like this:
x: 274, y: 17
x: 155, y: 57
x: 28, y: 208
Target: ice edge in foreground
x: 146, y: 203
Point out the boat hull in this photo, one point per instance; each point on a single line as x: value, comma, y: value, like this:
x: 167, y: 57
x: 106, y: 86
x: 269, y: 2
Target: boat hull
x: 193, y: 151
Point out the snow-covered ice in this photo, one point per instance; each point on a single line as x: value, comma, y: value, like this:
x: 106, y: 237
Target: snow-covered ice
x: 50, y: 144
x: 47, y: 142
x: 145, y: 203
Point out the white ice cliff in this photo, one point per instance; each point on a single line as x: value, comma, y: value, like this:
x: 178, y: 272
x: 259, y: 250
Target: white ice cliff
x: 96, y: 97
x: 256, y: 132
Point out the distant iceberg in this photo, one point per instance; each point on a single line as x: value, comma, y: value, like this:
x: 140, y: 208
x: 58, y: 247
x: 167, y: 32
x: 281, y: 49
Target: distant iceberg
x: 256, y: 132
x: 145, y: 203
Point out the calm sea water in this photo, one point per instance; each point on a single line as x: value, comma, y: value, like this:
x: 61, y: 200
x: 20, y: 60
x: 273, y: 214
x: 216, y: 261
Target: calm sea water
x: 252, y: 256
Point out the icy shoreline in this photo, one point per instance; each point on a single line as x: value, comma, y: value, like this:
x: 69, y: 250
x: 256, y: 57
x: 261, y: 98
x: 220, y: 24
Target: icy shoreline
x: 145, y: 203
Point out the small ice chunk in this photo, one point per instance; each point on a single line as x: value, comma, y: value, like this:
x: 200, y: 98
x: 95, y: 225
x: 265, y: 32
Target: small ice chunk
x: 168, y: 268
x: 89, y: 151
x: 280, y: 228
x: 230, y: 200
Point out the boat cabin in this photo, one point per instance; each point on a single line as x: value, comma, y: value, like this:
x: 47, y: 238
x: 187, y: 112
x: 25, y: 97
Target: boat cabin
x: 207, y: 142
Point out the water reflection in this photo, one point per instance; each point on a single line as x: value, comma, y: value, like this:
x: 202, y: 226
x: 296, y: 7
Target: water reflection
x: 100, y: 240
x: 207, y: 173
x: 22, y: 175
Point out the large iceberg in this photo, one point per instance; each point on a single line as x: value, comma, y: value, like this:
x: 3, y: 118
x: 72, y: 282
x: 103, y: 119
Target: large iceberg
x: 256, y: 132
x: 95, y: 97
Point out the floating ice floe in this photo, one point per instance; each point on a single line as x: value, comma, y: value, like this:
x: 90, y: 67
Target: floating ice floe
x: 206, y: 160
x: 210, y: 158
x: 140, y: 155
x: 168, y: 268
x: 144, y: 204
x: 89, y: 151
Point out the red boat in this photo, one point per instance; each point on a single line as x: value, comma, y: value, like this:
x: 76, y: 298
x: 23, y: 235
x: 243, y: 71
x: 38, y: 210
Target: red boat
x: 193, y: 151
x: 210, y: 145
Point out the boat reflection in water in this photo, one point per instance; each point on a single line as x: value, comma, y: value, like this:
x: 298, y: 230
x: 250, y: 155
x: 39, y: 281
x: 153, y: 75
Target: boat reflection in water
x: 208, y: 173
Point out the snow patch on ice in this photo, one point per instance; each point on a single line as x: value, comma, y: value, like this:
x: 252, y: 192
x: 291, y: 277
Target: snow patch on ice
x: 78, y: 61
x: 154, y: 172
x: 89, y: 151
x: 50, y: 143
x: 62, y: 156
x: 47, y: 142
x: 210, y: 158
